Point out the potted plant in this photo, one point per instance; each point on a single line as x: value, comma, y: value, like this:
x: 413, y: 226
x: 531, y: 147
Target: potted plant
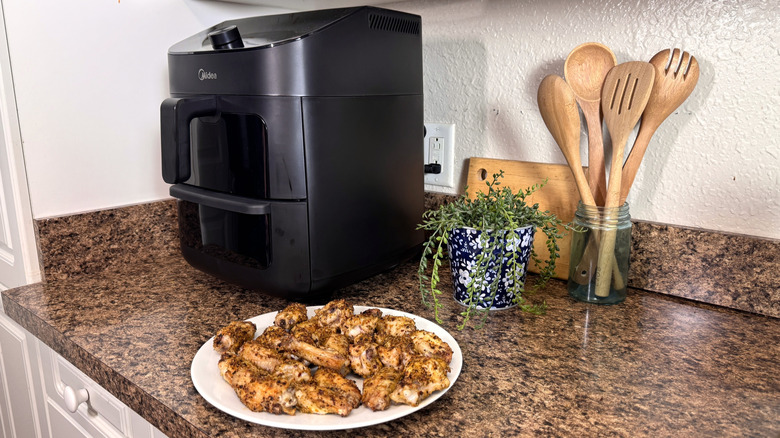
x: 489, y: 241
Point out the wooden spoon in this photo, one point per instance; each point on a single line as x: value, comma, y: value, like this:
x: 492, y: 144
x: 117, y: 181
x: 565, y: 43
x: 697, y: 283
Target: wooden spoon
x: 559, y: 111
x: 675, y: 77
x: 585, y: 69
x: 624, y: 96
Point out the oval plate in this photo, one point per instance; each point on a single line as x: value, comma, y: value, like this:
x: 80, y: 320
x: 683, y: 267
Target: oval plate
x: 213, y: 388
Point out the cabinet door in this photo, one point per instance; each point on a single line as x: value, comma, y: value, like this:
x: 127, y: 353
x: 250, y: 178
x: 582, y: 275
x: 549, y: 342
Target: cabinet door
x: 18, y: 371
x: 100, y: 415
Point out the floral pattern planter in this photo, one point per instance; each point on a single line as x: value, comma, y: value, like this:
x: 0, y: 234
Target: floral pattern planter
x: 465, y: 245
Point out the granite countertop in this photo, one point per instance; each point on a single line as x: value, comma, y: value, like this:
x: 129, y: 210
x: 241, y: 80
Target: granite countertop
x: 652, y: 366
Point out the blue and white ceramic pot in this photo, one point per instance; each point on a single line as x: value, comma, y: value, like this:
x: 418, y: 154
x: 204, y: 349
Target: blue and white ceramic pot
x: 464, y: 245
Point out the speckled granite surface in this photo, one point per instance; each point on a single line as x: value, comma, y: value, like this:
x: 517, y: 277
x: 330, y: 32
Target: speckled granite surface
x: 731, y: 270
x: 125, y: 308
x: 90, y: 243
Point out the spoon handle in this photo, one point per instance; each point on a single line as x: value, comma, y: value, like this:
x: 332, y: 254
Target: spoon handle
x: 597, y: 173
x: 631, y: 166
x: 607, y: 245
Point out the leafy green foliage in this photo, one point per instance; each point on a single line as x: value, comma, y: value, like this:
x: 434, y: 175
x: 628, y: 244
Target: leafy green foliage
x: 497, y: 209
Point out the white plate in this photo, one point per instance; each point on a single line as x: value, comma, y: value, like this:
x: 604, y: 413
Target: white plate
x: 210, y: 385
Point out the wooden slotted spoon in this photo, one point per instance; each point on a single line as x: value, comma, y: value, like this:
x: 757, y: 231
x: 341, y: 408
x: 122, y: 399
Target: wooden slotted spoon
x: 624, y: 96
x: 676, y: 74
x: 585, y: 69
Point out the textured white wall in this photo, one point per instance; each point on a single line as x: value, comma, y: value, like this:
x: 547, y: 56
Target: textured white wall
x: 90, y: 77
x: 714, y: 164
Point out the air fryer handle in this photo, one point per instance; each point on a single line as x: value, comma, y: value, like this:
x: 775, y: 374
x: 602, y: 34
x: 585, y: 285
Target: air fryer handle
x: 222, y: 201
x: 175, y: 117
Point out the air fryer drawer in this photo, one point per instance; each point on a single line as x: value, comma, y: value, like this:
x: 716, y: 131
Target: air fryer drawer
x: 267, y: 251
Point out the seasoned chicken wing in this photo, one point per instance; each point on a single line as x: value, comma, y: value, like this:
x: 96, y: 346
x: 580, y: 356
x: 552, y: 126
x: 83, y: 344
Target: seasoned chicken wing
x: 272, y: 337
x: 331, y: 379
x: 263, y: 357
x: 291, y: 315
x: 258, y: 390
x: 330, y: 339
x: 395, y: 351
x: 430, y: 345
x: 421, y: 377
x: 293, y: 370
x: 396, y: 325
x: 314, y: 399
x: 319, y: 356
x: 334, y: 314
x: 229, y: 366
x: 327, y: 393
x: 378, y: 387
x: 363, y: 357
x: 306, y: 331
x: 268, y: 394
x: 363, y: 324
x: 232, y: 336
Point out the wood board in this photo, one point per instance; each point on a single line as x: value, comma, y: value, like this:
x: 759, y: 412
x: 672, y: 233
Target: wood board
x: 559, y: 196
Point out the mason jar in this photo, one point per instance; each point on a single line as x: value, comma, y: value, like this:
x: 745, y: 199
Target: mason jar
x: 598, y: 267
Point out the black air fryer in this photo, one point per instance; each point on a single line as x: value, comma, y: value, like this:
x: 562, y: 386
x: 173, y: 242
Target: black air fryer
x: 293, y: 143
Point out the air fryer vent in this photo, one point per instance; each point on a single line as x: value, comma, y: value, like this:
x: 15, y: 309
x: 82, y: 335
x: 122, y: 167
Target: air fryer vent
x: 393, y: 24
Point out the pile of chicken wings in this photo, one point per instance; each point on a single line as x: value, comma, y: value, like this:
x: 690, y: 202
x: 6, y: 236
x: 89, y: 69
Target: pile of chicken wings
x: 302, y: 364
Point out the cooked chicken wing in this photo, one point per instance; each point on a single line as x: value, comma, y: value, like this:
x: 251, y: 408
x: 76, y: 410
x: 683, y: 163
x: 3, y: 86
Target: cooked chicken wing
x: 229, y: 366
x: 263, y: 357
x: 258, y: 390
x: 378, y: 387
x: 363, y: 324
x: 314, y: 399
x: 334, y: 314
x: 331, y: 379
x: 330, y: 339
x: 290, y: 316
x: 395, y: 351
x: 293, y: 370
x: 328, y: 393
x: 272, y: 337
x: 363, y: 357
x: 396, y: 325
x: 322, y: 357
x: 421, y: 377
x: 232, y: 336
x: 430, y: 345
x: 268, y: 394
x: 306, y: 331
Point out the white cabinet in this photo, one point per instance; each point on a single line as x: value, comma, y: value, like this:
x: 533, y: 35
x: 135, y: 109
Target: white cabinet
x: 43, y: 395
x: 19, y: 382
x: 79, y: 407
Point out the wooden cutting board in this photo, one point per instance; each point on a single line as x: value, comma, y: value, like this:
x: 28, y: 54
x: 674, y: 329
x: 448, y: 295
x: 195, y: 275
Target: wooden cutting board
x: 559, y: 196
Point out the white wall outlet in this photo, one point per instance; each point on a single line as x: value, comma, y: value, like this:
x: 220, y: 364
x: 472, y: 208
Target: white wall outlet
x: 439, y: 148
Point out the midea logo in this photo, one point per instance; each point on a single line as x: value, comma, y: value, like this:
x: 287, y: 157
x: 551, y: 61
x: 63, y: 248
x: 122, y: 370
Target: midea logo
x: 203, y: 75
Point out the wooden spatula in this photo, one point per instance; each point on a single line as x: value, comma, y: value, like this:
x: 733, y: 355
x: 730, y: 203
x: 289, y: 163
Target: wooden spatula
x: 624, y: 96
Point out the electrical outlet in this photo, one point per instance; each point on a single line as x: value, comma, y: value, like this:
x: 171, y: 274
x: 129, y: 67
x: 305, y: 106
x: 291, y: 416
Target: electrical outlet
x: 439, y: 148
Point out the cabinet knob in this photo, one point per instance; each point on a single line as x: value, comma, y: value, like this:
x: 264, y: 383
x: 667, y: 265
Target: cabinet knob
x: 74, y: 397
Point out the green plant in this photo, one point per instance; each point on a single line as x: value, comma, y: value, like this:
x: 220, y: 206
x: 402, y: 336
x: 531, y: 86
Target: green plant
x: 497, y: 209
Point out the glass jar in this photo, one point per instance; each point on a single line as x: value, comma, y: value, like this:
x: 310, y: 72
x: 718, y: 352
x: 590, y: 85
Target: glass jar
x: 598, y: 267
